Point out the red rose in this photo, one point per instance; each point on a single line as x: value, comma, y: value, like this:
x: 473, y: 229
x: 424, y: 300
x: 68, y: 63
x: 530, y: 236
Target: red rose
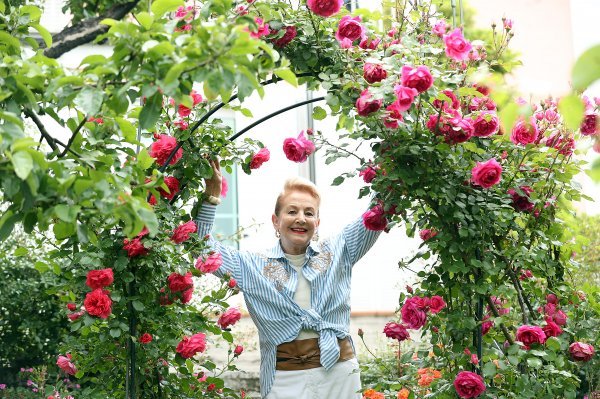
x: 162, y: 148
x: 178, y: 282
x: 374, y: 218
x: 365, y: 105
x: 324, y: 8
x: 405, y: 96
x: 455, y: 104
x: 349, y: 30
x: 487, y: 325
x: 238, y: 350
x: 521, y: 202
x: 298, y: 149
x: 262, y: 156
x: 186, y: 296
x: 418, y: 78
x: 552, y: 298
x: 369, y: 43
x: 145, y: 338
x: 469, y: 385
x: 211, y: 264
x: 98, y: 303
x: 457, y: 48
x: 486, y: 174
x: 71, y: 306
x: 368, y: 173
x: 288, y: 36
x: 589, y: 126
x: 229, y: 318
x: 232, y: 283
x: 581, y: 352
x: 189, y: 346
x: 134, y: 247
x: 530, y: 335
x: 560, y: 318
x: 524, y: 133
x: 564, y: 145
x: 182, y: 232
x: 396, y: 331
x: 486, y: 124
x: 551, y: 329
x: 76, y: 315
x: 413, y: 314
x: 65, y: 364
x: 436, y: 304
x: 427, y: 234
x: 172, y: 184
x: 374, y: 72
x: 99, y: 278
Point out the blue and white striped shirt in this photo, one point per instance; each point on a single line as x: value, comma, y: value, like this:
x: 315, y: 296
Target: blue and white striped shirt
x: 269, y: 282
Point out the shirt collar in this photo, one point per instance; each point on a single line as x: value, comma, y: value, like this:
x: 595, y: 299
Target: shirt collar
x: 276, y: 252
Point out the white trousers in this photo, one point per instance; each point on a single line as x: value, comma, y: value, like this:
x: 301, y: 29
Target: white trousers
x: 342, y: 381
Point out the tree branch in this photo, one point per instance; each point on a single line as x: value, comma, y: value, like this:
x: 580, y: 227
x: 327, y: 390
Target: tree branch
x: 86, y: 31
x: 72, y: 139
x: 29, y: 113
x: 496, y: 314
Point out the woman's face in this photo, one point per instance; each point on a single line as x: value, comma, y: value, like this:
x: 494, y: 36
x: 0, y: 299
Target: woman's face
x: 297, y: 221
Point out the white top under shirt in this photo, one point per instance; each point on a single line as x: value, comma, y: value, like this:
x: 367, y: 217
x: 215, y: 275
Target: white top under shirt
x: 302, y: 294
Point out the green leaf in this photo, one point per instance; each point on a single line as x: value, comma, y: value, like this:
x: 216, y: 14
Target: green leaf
x: 66, y: 213
x: 489, y: 369
x: 21, y: 251
x: 151, y: 112
x: 137, y: 305
x: 145, y: 19
x: 128, y: 130
x: 63, y: 230
x: 572, y: 110
x: 160, y: 7
x: 337, y: 181
x: 23, y: 164
x: 43, y: 33
x: 586, y: 69
x: 41, y: 267
x: 89, y: 100
x: 319, y: 113
x: 144, y: 160
x: 534, y: 362
x: 175, y: 71
x: 287, y: 75
x: 115, y: 332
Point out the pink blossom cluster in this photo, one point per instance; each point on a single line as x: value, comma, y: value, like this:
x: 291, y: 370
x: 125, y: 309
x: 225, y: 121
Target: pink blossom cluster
x: 415, y: 309
x: 298, y: 149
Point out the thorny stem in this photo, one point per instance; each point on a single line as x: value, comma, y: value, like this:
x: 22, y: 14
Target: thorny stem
x: 496, y: 314
x: 375, y: 356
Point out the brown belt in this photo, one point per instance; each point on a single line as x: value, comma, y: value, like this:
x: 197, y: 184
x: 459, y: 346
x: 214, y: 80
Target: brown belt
x: 304, y: 354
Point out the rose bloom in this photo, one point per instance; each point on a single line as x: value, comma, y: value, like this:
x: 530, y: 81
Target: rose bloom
x: 405, y: 96
x: 403, y: 393
x: 426, y: 234
x: 238, y: 350
x: 581, y: 352
x: 232, y: 283
x: 98, y: 303
x: 529, y: 335
x: 374, y: 72
x: 99, y: 278
x: 65, y: 364
x: 369, y: 43
x: 71, y: 306
x: 412, y: 315
x: 486, y: 124
x: 211, y: 264
x: 551, y: 329
x: 350, y: 28
x: 134, y: 247
x: 524, y: 133
x: 393, y: 115
x: 182, y: 232
x: 262, y: 29
x: 455, y: 104
x: 373, y: 394
x: 178, y: 282
x: 288, y: 36
x: 229, y: 318
x: 482, y: 104
x: 521, y: 202
x: 172, y: 184
x: 486, y: 174
x: 298, y: 149
x: 460, y: 130
x: 368, y: 173
x: 365, y: 105
x: 439, y: 29
x: 145, y: 338
x: 418, y: 78
x: 589, y: 126
x: 560, y: 318
x: 564, y: 145
x: 76, y: 315
x: 469, y: 385
x: 552, y: 298
x: 162, y: 148
x: 262, y: 156
x: 487, y: 325
x: 396, y: 331
x: 324, y: 8
x: 457, y: 47
x: 189, y: 346
x: 436, y: 304
x: 374, y: 218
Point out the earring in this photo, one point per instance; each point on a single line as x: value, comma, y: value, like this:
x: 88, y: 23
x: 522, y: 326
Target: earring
x: 277, y: 233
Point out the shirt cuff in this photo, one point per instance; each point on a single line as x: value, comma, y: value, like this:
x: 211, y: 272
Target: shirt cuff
x: 207, y: 213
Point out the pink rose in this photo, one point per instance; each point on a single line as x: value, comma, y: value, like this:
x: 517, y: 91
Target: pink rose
x: 288, y: 36
x: 564, y: 145
x: 524, y: 133
x: 211, y: 264
x: 396, y: 331
x: 99, y: 278
x: 551, y: 329
x: 229, y: 318
x: 65, y: 364
x: 298, y: 149
x: 182, y: 232
x: 405, y: 96
x: 486, y: 124
x: 457, y: 47
x: 552, y: 298
x: 189, y: 346
x: 134, y: 247
x: 374, y: 72
x: 487, y: 325
x: 162, y: 148
x: 412, y: 314
x: 417, y: 78
x: 262, y: 156
x: 186, y: 296
x: 76, y: 315
x: 224, y: 187
x: 529, y: 335
x: 455, y: 104
x: 459, y: 130
x: 365, y: 105
x: 436, y: 304
x: 374, y: 218
x: 238, y: 350
x: 350, y: 28
x: 393, y: 115
x: 324, y: 8
x: 178, y: 282
x: 186, y: 13
x: 507, y: 23
x: 145, y: 338
x: 589, y: 126
x: 560, y: 318
x: 521, y: 202
x: 427, y: 234
x: 482, y: 104
x: 369, y: 43
x: 172, y: 184
x: 368, y: 173
x: 98, y: 303
x: 439, y: 29
x: 469, y: 385
x: 232, y: 283
x: 581, y: 352
x: 486, y: 174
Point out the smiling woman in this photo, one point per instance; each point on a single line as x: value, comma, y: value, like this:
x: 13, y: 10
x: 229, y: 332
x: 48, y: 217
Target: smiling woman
x: 298, y: 294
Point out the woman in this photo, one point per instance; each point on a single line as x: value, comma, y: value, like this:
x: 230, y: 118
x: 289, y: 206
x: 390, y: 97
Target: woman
x: 298, y: 295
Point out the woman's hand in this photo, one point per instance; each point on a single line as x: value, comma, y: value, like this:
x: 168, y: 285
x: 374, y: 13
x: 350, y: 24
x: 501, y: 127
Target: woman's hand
x: 213, y: 185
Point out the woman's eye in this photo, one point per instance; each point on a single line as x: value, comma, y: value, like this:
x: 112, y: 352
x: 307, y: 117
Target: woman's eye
x: 291, y: 212
x: 309, y: 214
